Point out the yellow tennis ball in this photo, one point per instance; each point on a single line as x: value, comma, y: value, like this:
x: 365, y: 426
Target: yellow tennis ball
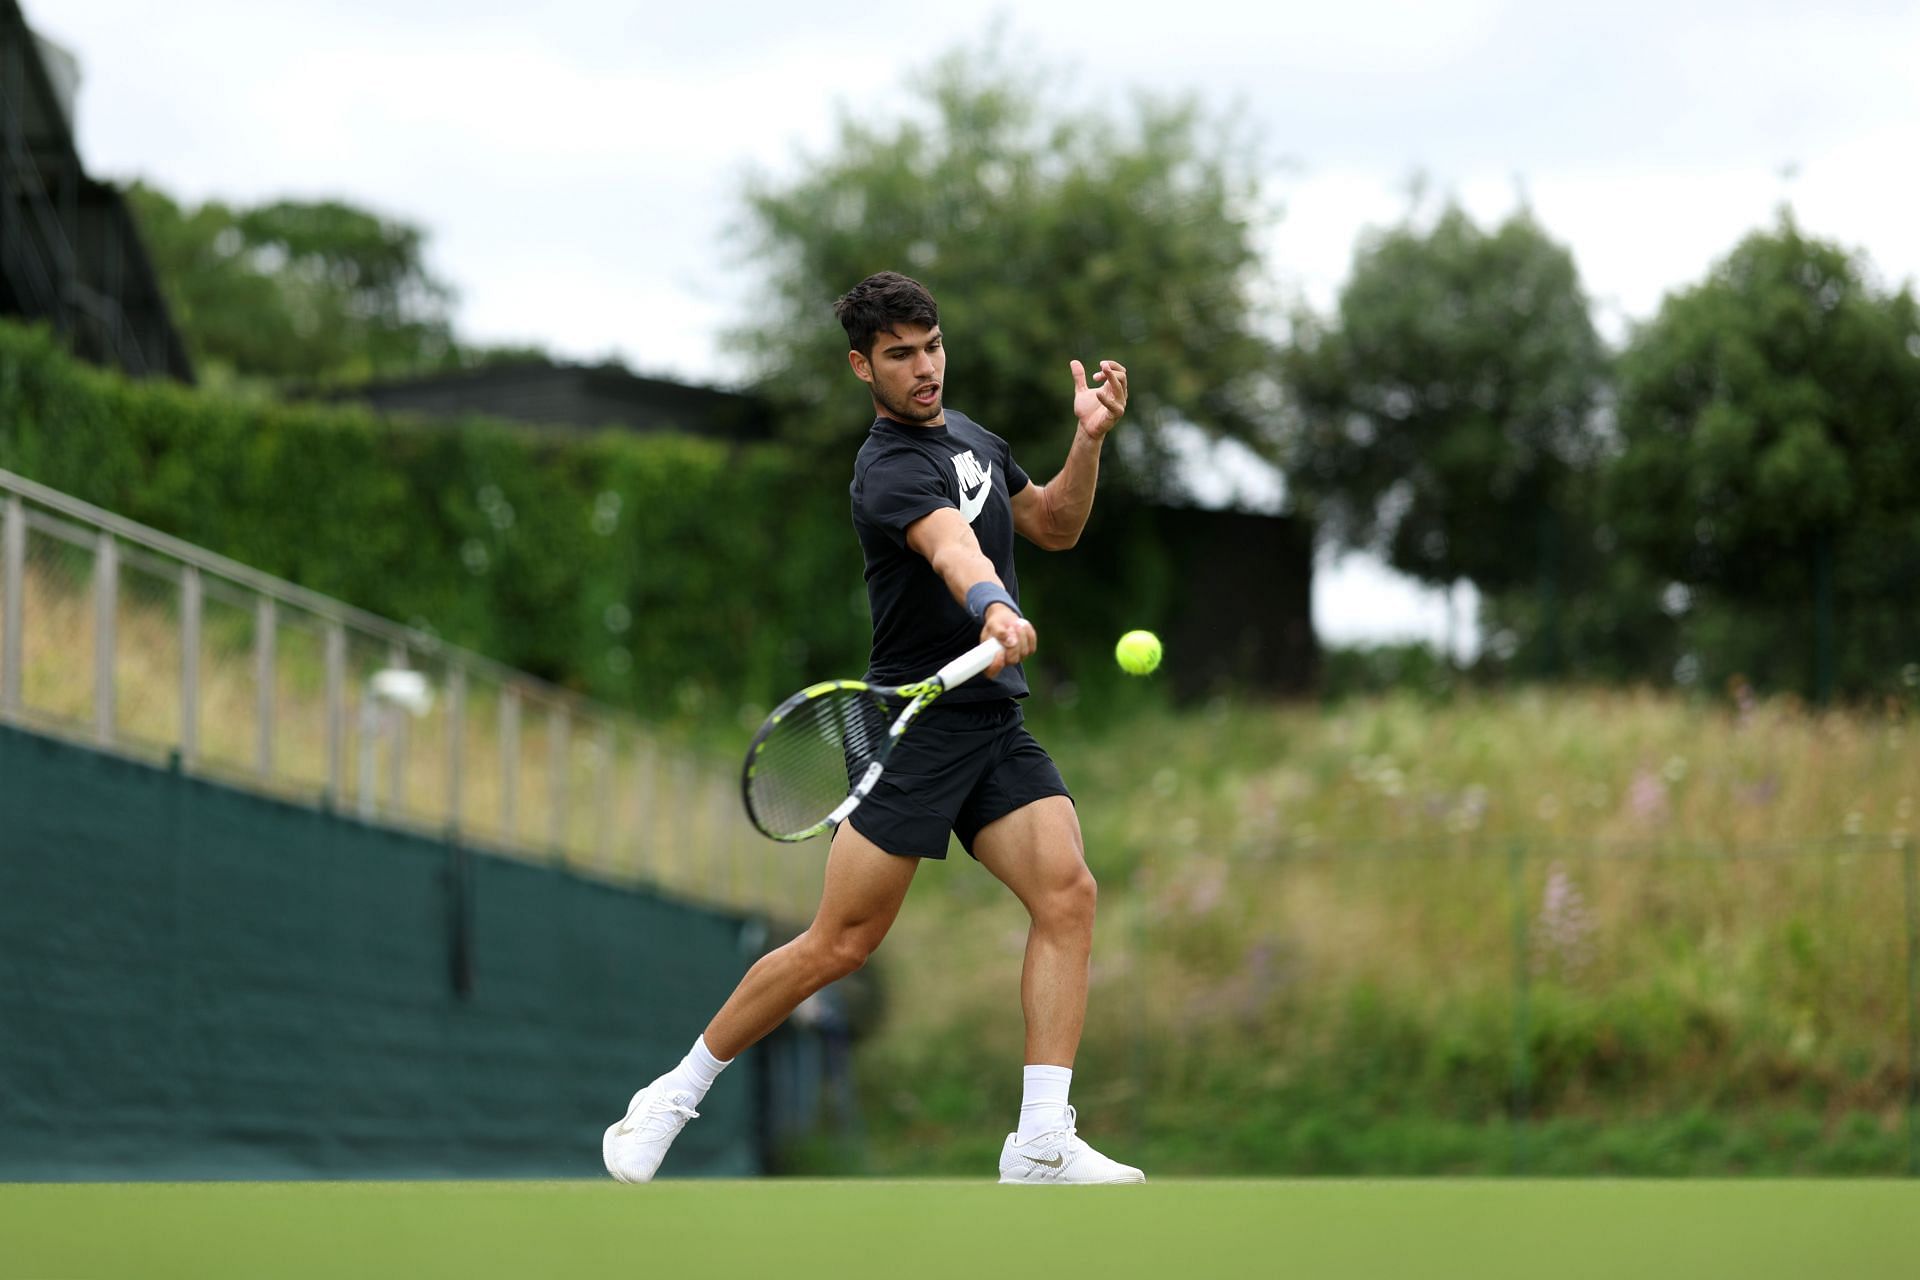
x: 1138, y: 652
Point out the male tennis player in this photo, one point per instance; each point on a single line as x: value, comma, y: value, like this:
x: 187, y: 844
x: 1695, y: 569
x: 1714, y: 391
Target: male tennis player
x: 936, y: 502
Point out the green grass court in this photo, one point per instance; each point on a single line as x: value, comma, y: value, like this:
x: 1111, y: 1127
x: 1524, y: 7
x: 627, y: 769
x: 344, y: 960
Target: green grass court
x: 1182, y: 1229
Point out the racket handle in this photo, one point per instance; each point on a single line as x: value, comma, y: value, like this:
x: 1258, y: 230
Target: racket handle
x: 969, y: 664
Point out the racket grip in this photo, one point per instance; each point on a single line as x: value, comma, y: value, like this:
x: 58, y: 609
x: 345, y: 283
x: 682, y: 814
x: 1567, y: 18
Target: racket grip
x: 969, y: 664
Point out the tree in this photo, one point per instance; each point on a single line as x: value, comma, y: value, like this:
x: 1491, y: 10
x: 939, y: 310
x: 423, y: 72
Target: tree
x: 1445, y: 414
x: 1045, y: 234
x: 1770, y: 465
x: 297, y: 291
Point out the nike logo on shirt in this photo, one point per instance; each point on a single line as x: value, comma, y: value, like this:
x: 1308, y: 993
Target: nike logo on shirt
x: 971, y: 473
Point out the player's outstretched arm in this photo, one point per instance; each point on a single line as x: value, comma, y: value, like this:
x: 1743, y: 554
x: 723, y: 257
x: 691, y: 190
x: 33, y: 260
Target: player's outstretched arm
x: 1051, y: 515
x: 946, y: 540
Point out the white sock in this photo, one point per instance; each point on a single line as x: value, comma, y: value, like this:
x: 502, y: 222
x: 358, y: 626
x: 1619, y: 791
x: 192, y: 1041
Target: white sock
x: 697, y: 1071
x: 1043, y: 1101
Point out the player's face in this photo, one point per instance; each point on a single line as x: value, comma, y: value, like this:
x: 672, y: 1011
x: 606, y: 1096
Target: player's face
x: 906, y: 372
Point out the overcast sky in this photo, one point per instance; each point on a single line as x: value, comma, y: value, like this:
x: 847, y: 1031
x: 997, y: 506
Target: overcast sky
x: 578, y: 165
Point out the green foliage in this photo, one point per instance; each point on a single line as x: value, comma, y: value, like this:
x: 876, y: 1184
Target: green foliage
x: 1599, y: 616
x: 629, y: 567
x: 668, y: 573
x: 1769, y: 452
x: 1317, y: 952
x: 1414, y: 667
x: 1447, y: 412
x: 1046, y: 235
x: 296, y: 291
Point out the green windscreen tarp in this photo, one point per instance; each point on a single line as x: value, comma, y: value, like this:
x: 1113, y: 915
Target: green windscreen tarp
x: 200, y: 983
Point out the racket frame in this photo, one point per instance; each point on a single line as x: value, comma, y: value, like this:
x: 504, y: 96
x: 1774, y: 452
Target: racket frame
x: 918, y: 696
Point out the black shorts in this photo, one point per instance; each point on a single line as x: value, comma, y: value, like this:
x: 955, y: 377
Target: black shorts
x: 960, y: 766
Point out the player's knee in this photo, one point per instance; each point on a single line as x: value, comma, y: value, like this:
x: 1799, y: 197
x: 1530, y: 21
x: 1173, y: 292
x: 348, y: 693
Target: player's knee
x: 840, y: 954
x: 849, y: 954
x: 1070, y: 902
x: 1086, y: 893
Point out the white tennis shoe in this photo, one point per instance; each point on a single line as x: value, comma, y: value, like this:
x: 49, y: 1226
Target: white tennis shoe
x: 635, y: 1145
x: 1060, y: 1157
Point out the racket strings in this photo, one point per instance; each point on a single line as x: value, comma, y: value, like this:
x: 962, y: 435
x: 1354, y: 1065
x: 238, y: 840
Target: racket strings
x: 810, y: 760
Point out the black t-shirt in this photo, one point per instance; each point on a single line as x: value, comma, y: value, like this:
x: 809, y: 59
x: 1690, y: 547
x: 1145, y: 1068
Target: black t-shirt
x: 903, y: 473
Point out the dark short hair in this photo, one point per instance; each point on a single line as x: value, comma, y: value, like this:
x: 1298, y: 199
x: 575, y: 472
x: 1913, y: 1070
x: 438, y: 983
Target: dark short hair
x: 879, y: 303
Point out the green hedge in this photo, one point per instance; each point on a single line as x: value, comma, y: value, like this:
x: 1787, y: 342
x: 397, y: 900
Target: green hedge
x: 655, y: 571
x: 734, y: 569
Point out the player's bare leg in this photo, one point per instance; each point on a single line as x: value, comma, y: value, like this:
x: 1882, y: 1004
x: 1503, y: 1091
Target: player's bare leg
x: 864, y: 889
x: 1037, y: 852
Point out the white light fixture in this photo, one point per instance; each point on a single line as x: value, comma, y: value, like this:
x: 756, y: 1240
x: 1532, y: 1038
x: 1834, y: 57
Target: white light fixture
x: 407, y: 690
x: 393, y: 693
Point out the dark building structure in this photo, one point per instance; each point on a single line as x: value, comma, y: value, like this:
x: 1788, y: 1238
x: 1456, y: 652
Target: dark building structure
x: 563, y: 395
x: 69, y: 253
x: 1243, y: 619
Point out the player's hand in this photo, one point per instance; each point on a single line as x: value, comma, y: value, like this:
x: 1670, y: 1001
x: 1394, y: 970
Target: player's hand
x: 1101, y: 405
x: 1014, y: 633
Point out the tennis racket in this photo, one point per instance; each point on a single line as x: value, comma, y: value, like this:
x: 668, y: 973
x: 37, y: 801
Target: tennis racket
x: 820, y: 752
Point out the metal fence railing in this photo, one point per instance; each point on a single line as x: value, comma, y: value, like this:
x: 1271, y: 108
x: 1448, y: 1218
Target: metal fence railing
x: 148, y: 646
